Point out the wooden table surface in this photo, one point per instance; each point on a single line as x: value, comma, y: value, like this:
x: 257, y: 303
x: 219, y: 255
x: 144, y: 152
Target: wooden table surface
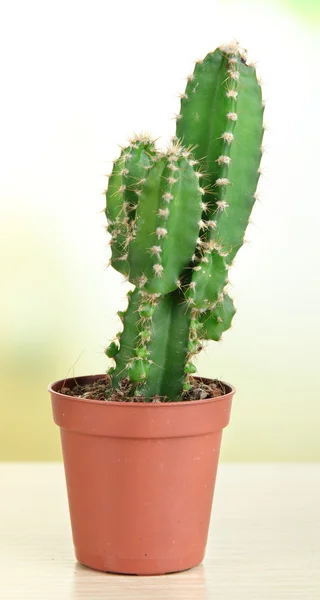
x: 264, y: 541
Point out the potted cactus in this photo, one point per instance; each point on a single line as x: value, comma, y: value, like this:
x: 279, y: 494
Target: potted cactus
x: 141, y: 442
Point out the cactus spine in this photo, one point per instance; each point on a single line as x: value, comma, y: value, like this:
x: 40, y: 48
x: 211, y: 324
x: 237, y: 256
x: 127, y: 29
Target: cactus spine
x: 177, y: 220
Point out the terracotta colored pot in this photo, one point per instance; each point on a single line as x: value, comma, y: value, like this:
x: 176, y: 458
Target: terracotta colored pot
x: 140, y: 478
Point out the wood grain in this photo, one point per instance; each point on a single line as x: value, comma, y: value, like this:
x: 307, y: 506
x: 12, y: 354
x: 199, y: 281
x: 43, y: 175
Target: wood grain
x: 264, y: 541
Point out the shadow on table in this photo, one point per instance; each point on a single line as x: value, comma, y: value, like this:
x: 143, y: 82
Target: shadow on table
x: 93, y: 585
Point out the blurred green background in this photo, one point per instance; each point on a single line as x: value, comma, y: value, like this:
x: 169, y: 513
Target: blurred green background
x: 78, y: 79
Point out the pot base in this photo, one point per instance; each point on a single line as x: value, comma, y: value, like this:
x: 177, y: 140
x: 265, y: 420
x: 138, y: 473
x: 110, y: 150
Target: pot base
x: 145, y: 566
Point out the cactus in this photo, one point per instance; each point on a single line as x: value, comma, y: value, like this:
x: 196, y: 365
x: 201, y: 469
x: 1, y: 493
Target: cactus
x: 177, y: 220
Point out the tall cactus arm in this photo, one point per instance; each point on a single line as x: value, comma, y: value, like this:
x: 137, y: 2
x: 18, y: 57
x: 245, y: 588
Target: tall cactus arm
x: 207, y: 108
x: 243, y: 169
x: 228, y: 89
x: 167, y: 223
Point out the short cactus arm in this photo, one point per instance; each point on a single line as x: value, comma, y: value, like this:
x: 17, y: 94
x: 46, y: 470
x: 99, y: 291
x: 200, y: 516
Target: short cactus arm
x: 167, y: 223
x: 218, y: 320
x: 206, y: 111
x: 209, y: 277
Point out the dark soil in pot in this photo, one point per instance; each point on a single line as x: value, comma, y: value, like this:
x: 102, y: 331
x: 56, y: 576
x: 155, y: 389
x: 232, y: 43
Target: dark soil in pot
x: 101, y: 390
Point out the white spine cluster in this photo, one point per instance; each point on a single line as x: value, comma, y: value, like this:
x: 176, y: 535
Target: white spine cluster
x: 212, y: 224
x: 234, y: 74
x: 228, y: 137
x: 167, y: 197
x: 222, y: 181
x: 161, y: 232
x: 163, y: 212
x: 232, y: 94
x: 222, y: 205
x: 156, y: 251
x: 223, y: 160
x: 158, y: 269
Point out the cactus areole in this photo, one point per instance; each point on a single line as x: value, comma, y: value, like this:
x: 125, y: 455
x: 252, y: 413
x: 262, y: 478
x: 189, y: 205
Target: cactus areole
x: 178, y: 218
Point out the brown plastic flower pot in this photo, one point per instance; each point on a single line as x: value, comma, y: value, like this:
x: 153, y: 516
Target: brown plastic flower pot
x: 140, y: 478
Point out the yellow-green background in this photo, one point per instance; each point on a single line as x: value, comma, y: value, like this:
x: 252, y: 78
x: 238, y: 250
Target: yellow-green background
x: 78, y: 78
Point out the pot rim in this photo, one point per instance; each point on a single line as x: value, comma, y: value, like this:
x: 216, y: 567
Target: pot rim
x: 59, y: 382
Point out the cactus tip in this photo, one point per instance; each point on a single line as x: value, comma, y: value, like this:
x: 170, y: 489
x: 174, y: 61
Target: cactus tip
x: 230, y: 48
x: 141, y: 138
x: 174, y: 148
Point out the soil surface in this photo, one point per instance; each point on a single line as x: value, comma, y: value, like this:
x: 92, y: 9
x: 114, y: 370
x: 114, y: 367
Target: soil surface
x: 101, y: 390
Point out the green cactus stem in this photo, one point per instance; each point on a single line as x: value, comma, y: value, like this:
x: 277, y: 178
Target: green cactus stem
x: 153, y: 348
x: 128, y: 339
x: 177, y: 220
x: 168, y: 347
